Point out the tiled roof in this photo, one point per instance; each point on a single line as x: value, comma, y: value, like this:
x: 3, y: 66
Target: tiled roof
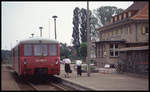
x: 140, y: 6
x: 142, y: 14
x: 137, y: 5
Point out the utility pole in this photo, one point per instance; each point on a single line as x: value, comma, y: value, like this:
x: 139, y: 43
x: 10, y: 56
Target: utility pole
x: 40, y: 31
x: 88, y: 41
x: 55, y: 26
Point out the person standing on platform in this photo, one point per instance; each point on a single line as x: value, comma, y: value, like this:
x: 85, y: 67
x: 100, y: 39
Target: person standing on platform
x: 79, y: 67
x: 67, y: 63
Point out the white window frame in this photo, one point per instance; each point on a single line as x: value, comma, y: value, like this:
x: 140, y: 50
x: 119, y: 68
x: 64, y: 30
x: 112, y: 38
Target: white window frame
x: 114, y: 50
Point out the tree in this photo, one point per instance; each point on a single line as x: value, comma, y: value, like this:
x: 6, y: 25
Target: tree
x: 105, y: 13
x: 64, y: 50
x: 83, y: 50
x: 83, y: 23
x: 93, y: 26
x: 75, y: 33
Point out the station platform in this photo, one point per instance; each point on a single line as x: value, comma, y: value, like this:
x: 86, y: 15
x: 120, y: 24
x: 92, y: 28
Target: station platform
x: 106, y: 81
x: 7, y: 80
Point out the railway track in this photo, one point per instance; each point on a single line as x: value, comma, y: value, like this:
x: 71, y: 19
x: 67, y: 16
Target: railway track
x: 51, y: 83
x: 35, y: 84
x: 42, y: 83
x: 49, y: 87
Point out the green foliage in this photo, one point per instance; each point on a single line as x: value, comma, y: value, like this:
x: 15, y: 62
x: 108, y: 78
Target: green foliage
x: 83, y: 24
x: 92, y: 68
x: 64, y: 51
x: 75, y: 33
x: 105, y: 13
x: 83, y: 50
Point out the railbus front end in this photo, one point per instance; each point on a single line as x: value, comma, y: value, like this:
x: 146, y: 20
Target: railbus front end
x: 39, y: 57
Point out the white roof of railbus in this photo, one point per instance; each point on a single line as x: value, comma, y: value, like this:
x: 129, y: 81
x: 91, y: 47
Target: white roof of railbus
x: 37, y: 40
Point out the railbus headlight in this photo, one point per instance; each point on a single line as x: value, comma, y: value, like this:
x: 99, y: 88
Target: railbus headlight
x: 56, y: 62
x: 25, y: 62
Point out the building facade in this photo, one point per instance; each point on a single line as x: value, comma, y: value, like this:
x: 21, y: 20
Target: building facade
x: 125, y: 37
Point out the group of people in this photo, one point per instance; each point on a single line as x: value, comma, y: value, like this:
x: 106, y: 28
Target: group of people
x: 68, y: 70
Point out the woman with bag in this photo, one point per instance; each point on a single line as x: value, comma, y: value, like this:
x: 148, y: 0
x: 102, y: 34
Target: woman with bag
x: 68, y: 70
x: 79, y: 67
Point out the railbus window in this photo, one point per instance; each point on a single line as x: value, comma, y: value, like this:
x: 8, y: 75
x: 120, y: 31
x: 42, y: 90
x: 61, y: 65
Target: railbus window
x: 53, y: 50
x: 27, y: 50
x: 40, y: 50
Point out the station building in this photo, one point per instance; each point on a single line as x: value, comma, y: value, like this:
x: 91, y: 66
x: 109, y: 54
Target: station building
x: 124, y: 40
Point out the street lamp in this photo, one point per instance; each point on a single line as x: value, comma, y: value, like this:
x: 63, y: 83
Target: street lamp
x: 32, y: 34
x: 49, y: 28
x: 40, y: 31
x: 88, y: 41
x: 55, y: 25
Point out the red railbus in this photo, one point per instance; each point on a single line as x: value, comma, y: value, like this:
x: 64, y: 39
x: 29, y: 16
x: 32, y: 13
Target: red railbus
x: 36, y: 56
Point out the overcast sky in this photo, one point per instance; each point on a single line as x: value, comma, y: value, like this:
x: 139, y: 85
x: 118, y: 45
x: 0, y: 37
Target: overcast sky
x: 21, y: 19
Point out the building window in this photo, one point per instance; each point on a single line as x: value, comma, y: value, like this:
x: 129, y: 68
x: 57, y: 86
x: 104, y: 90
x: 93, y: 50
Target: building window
x: 102, y: 36
x: 145, y: 30
x: 119, y: 31
x: 114, y: 50
x: 128, y: 30
x: 116, y: 32
x: 100, y: 50
x: 113, y: 33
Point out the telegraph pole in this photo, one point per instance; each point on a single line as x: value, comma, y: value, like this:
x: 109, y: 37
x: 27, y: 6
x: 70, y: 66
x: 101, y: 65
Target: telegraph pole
x: 40, y: 31
x: 88, y: 41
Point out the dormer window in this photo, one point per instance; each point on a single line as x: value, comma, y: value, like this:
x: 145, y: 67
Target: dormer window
x: 124, y: 15
x: 120, y: 17
x: 129, y: 14
x: 116, y: 18
x: 111, y: 20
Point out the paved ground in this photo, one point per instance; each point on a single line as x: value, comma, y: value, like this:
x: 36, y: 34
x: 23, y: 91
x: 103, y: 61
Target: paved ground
x: 8, y: 82
x: 98, y: 81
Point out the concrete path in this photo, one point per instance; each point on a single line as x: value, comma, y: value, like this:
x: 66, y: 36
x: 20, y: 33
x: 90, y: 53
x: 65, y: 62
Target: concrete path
x: 99, y: 81
x: 7, y: 80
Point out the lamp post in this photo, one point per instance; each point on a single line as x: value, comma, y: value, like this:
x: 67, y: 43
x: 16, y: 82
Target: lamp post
x: 49, y: 28
x: 88, y: 41
x: 55, y: 26
x: 32, y: 34
x: 40, y: 31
